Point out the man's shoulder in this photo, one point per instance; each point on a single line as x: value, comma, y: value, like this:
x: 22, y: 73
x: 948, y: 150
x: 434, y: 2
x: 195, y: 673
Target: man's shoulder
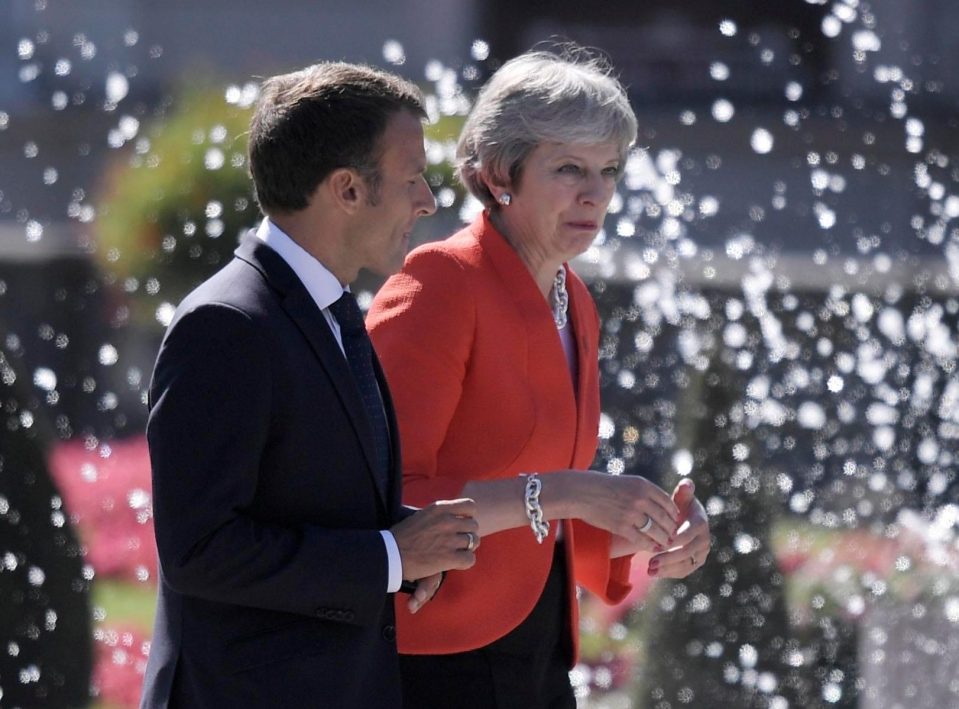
x: 237, y: 284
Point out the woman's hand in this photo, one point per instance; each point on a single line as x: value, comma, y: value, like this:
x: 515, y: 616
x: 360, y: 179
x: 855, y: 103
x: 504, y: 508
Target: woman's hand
x: 691, y: 546
x: 639, y: 514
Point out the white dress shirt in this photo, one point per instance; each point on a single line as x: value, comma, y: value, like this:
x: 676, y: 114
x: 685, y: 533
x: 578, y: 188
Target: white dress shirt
x: 325, y: 289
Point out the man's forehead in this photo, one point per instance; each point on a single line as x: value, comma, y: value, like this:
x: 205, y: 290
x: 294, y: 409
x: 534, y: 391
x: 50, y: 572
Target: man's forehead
x: 404, y: 140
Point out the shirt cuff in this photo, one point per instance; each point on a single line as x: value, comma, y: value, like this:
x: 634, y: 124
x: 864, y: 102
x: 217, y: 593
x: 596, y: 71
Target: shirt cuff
x: 395, y: 562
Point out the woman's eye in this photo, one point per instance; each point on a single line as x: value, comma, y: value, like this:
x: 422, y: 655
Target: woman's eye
x: 611, y: 172
x: 570, y: 169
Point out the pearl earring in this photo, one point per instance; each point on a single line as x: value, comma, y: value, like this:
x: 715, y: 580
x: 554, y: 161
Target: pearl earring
x: 505, y: 199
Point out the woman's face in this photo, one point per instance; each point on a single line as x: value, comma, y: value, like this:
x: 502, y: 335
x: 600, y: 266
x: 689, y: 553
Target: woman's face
x: 560, y: 201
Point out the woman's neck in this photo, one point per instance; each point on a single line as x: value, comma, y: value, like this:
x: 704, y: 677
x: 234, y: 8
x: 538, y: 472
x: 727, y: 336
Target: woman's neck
x: 541, y: 266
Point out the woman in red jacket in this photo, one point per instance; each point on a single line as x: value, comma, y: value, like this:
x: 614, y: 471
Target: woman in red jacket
x: 490, y: 345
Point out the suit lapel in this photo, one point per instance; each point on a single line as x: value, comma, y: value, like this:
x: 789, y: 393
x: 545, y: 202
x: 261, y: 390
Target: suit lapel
x: 302, y: 310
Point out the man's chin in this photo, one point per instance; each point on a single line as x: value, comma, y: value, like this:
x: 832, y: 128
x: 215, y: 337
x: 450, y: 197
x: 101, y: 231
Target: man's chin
x: 387, y: 269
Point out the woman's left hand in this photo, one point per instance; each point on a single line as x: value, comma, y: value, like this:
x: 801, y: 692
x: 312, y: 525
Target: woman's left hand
x: 691, y: 543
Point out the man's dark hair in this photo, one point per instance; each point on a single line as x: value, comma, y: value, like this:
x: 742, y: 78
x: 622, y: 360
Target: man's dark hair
x: 313, y: 121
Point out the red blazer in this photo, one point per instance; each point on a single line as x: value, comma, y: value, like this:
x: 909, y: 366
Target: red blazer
x: 482, y: 391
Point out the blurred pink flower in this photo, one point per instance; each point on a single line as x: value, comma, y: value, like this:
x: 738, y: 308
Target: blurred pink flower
x: 106, y: 489
x: 121, y: 659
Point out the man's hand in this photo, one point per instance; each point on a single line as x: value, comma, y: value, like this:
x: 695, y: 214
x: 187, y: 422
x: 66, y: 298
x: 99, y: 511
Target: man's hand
x: 437, y: 538
x: 424, y: 592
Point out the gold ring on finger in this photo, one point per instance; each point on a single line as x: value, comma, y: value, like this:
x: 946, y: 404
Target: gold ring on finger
x: 471, y: 541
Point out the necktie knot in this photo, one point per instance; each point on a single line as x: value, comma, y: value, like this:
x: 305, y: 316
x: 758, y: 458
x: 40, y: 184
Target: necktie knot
x: 348, y: 314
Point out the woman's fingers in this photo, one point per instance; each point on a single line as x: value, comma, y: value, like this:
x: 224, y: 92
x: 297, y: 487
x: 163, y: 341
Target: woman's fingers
x: 633, y: 508
x: 678, y: 563
x: 688, y: 554
x: 621, y: 546
x: 656, y: 525
x: 656, y: 515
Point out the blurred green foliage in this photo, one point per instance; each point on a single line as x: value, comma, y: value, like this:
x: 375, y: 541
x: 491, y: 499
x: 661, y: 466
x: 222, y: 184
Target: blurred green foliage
x: 171, y: 213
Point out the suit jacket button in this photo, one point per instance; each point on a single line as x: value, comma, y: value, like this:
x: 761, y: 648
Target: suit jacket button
x: 389, y: 633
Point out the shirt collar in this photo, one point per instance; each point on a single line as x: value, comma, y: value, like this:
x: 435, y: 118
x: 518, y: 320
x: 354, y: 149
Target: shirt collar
x: 321, y: 284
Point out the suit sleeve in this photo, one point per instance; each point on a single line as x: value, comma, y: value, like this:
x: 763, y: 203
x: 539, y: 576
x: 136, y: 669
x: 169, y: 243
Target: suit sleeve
x: 425, y: 371
x: 207, y: 430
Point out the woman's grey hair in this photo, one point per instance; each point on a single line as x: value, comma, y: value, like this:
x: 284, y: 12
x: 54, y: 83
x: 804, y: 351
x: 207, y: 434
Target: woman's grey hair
x: 540, y: 97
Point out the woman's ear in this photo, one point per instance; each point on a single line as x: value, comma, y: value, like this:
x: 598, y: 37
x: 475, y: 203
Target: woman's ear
x: 502, y: 193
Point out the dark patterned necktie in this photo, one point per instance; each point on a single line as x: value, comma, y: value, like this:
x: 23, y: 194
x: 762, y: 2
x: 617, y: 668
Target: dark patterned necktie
x: 359, y: 354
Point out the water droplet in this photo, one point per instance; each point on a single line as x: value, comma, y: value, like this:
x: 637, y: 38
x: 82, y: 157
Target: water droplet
x: 748, y: 656
x: 831, y: 26
x: 28, y: 72
x: 45, y: 378
x: 34, y: 231
x: 35, y: 576
x: 719, y: 71
x: 761, y: 141
x: 393, y: 52
x: 811, y: 415
x: 683, y: 462
x: 831, y: 692
x: 723, y: 110
x: 164, y: 313
x: 213, y: 159
x: 138, y: 498
x: 25, y: 49
x: 479, y: 50
x: 606, y: 427
x: 108, y: 355
x: 727, y: 28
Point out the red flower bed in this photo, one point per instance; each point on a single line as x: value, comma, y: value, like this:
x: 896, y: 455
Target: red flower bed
x: 106, y: 488
x: 121, y: 660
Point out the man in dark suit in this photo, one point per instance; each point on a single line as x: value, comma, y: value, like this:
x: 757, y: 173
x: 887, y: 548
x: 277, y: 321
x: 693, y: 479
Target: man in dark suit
x: 274, y: 448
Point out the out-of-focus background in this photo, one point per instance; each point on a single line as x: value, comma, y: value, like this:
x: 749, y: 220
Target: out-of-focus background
x: 777, y: 280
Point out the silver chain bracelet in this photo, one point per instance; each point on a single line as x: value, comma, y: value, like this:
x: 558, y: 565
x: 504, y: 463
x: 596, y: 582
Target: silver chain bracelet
x: 534, y: 510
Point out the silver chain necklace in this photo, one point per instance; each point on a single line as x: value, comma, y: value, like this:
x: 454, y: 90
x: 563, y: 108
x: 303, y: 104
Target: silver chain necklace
x: 560, y: 299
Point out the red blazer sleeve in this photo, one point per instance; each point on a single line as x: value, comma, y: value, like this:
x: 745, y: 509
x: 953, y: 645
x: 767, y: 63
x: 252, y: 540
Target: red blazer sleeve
x: 606, y: 578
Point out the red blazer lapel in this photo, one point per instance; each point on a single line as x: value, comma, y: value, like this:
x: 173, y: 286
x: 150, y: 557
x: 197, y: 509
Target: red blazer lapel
x: 586, y: 331
x: 546, y: 359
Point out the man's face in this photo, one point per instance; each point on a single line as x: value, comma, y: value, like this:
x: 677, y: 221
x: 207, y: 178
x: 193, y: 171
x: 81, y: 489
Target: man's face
x: 401, y: 197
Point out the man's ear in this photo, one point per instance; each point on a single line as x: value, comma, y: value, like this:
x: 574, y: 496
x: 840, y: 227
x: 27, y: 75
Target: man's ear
x: 346, y: 189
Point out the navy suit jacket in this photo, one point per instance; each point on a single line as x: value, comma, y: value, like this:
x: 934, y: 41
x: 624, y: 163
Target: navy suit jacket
x: 273, y: 573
